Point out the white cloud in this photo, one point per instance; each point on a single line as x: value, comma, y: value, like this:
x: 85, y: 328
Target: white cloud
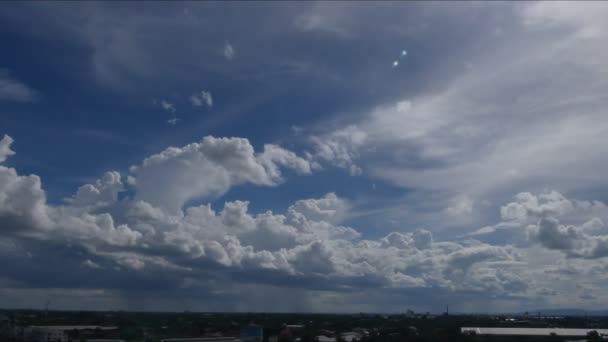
x: 203, y: 98
x: 305, y: 242
x: 317, y: 21
x: 329, y: 208
x: 586, y: 19
x: 528, y: 116
x: 573, y: 227
x: 103, y: 192
x: 589, y: 240
x: 229, y: 51
x: 91, y: 264
x: 5, y: 148
x: 460, y: 206
x: 491, y: 131
x: 528, y: 207
x: 340, y: 147
x: 168, y: 106
x: 22, y: 200
x: 23, y: 208
x: 13, y: 90
x: 173, y: 121
x: 209, y: 168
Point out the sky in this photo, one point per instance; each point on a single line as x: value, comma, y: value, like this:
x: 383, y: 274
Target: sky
x: 304, y: 156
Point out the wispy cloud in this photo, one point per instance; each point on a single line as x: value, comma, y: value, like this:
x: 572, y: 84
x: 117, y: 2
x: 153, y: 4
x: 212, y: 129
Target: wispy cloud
x: 203, y: 98
x: 14, y: 90
x: 229, y: 52
x: 168, y: 106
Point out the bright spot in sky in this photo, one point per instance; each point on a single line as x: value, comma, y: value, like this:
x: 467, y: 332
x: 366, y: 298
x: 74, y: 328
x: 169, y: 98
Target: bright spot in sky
x: 403, y: 53
x: 395, y: 64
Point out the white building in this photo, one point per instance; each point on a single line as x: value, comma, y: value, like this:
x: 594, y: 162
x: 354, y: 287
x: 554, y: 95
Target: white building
x: 44, y: 334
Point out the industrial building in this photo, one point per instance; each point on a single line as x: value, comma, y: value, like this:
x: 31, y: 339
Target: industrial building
x: 523, y: 332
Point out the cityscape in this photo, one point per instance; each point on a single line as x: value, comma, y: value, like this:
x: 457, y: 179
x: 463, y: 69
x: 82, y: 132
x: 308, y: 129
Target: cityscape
x: 54, y: 326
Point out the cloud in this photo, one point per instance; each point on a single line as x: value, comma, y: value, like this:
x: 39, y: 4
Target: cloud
x: 169, y: 107
x: 102, y: 192
x: 574, y: 241
x: 574, y: 227
x: 229, y: 52
x: 489, y: 131
x: 316, y: 21
x: 203, y: 98
x: 173, y: 121
x: 202, y: 170
x: 13, y: 90
x: 22, y: 200
x: 584, y: 19
x: 340, y: 148
x: 460, y: 206
x: 527, y: 116
x: 5, y: 148
x: 305, y: 247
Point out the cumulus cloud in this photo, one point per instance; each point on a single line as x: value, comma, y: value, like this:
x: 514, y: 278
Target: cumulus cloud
x: 452, y: 136
x: 555, y: 222
x: 22, y: 200
x: 305, y: 245
x: 203, y: 98
x: 209, y: 168
x: 5, y: 148
x: 103, y: 192
x: 24, y: 210
x: 576, y: 241
x: 340, y: 148
x: 13, y: 90
x: 528, y: 207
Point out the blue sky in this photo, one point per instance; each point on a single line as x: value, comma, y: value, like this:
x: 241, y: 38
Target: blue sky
x: 367, y: 156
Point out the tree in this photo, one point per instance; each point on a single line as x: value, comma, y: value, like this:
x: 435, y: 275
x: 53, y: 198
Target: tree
x: 593, y: 336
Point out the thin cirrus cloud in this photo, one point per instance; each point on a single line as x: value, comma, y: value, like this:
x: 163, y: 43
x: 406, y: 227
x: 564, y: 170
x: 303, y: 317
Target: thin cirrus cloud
x: 14, y: 90
x: 202, y: 98
x: 493, y: 130
x: 168, y: 106
x: 229, y: 52
x: 173, y: 121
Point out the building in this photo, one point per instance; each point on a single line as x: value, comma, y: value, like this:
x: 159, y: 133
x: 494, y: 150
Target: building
x: 7, y: 328
x: 202, y: 339
x: 252, y: 334
x: 44, y: 334
x: 350, y: 336
x: 522, y: 332
x: 323, y: 338
x: 57, y: 333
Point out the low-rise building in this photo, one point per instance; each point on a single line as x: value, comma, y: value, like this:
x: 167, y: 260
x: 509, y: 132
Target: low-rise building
x: 202, y: 339
x: 44, y: 334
